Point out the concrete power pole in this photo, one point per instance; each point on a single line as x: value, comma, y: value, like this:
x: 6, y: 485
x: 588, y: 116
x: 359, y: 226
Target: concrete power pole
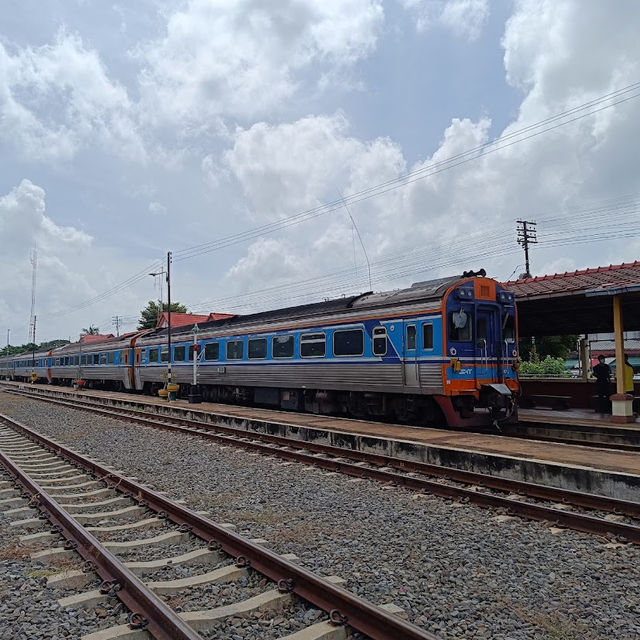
x: 116, y: 321
x: 32, y: 318
x: 527, y: 234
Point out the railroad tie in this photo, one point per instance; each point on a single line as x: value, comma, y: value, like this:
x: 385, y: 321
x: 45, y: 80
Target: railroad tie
x: 272, y: 600
x: 173, y: 537
x: 80, y: 496
x: 199, y: 556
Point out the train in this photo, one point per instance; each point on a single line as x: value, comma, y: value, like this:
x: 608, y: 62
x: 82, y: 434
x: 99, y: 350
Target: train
x: 441, y: 352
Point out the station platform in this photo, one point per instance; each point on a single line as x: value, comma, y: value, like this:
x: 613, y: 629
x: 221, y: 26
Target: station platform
x: 573, y: 417
x: 608, y: 472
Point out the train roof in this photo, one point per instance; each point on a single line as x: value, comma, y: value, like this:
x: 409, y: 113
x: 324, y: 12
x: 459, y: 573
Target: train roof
x: 419, y: 291
x: 113, y: 342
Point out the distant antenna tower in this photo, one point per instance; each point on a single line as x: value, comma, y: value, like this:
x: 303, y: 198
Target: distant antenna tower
x: 34, y: 269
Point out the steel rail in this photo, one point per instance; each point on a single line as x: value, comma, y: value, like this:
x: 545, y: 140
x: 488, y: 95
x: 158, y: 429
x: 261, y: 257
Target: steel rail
x: 162, y: 621
x: 243, y: 438
x: 342, y: 606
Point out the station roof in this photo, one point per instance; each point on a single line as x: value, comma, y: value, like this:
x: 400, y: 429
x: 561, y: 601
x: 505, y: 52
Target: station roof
x: 577, y: 301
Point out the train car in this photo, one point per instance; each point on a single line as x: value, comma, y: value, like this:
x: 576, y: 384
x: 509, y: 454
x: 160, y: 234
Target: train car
x: 105, y: 364
x: 441, y: 351
x: 26, y: 366
x: 6, y: 368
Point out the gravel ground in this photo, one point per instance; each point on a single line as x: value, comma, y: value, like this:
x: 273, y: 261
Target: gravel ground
x: 459, y: 571
x: 28, y: 609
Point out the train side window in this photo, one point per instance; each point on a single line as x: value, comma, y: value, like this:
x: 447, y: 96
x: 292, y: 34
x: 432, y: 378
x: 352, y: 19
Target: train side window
x: 111, y: 357
x: 459, y: 326
x: 411, y: 337
x: 282, y: 346
x: 508, y: 328
x: 257, y: 348
x: 164, y: 354
x: 427, y: 336
x: 380, y: 341
x: 211, y: 351
x: 103, y: 358
x: 348, y: 342
x: 313, y: 345
x: 178, y: 353
x: 153, y: 355
x: 96, y: 358
x: 235, y: 350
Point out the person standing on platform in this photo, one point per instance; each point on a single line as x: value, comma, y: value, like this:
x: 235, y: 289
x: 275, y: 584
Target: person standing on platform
x: 602, y: 372
x: 628, y: 376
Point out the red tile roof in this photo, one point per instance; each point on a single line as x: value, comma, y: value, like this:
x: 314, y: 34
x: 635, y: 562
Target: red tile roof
x: 88, y: 338
x: 575, y: 282
x: 183, y: 319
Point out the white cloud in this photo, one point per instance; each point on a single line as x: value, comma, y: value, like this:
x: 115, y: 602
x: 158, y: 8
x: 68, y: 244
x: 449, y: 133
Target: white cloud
x: 57, y: 99
x: 284, y: 169
x: 157, y: 209
x: 23, y: 225
x: 242, y: 58
x: 292, y: 167
x: 466, y: 18
x: 275, y: 260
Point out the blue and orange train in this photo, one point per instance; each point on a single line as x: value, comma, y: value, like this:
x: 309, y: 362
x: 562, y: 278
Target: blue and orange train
x: 441, y: 351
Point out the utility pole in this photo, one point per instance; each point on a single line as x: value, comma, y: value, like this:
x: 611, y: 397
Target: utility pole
x: 32, y: 317
x: 8, y: 334
x: 526, y: 232
x: 33, y: 344
x: 155, y: 274
x: 169, y: 316
x: 115, y: 321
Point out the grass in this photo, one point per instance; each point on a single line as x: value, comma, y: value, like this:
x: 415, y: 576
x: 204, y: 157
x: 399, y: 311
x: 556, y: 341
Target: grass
x: 558, y: 627
x: 41, y: 573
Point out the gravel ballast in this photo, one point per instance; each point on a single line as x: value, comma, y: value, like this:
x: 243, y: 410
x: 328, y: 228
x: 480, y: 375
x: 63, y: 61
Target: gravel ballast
x: 459, y: 571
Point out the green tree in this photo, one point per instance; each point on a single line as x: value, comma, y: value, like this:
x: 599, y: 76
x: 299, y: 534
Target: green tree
x: 28, y: 347
x: 554, y: 346
x: 149, y: 315
x: 91, y: 331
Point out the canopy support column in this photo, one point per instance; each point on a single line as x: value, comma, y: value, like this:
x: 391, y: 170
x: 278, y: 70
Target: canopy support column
x: 584, y: 359
x: 621, y: 402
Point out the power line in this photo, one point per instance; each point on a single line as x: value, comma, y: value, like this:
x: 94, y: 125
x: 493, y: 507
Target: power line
x: 404, y: 264
x: 619, y: 96
x: 564, y: 118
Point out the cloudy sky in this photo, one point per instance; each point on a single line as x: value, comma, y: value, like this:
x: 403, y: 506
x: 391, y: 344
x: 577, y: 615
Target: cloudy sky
x: 265, y: 143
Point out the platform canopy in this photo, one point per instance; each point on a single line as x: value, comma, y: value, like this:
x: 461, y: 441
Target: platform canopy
x: 578, y: 301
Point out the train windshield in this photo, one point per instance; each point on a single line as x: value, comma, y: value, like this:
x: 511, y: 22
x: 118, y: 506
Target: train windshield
x: 460, y: 326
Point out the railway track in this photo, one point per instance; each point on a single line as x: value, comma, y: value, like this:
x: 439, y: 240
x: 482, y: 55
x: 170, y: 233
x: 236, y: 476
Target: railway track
x: 571, y: 509
x: 562, y: 432
x: 80, y: 509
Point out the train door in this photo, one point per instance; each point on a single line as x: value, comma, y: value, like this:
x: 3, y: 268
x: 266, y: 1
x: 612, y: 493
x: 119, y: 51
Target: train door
x: 136, y: 369
x: 487, y: 345
x: 410, y: 372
